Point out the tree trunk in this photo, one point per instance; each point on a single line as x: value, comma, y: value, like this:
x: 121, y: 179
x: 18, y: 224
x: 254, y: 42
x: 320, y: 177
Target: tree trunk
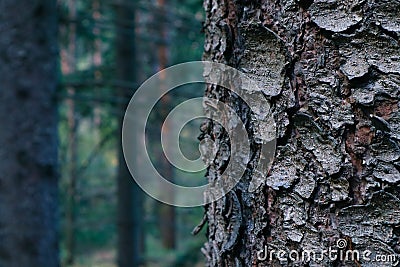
x: 331, y: 72
x: 28, y: 135
x: 167, y: 219
x: 130, y: 210
x: 97, y: 57
x: 70, y: 213
x: 70, y: 68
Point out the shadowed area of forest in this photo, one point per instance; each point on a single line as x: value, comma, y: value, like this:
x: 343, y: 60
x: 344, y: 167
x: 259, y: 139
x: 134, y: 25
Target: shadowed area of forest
x: 108, y: 48
x: 91, y: 56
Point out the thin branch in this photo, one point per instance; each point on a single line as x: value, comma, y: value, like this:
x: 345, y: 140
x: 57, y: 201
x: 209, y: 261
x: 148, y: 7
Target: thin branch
x: 85, y: 165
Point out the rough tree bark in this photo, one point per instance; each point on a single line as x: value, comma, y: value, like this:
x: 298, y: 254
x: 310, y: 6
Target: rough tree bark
x: 28, y: 135
x: 331, y: 71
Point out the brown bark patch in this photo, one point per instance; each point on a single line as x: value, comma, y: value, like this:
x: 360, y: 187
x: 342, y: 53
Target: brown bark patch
x: 385, y: 109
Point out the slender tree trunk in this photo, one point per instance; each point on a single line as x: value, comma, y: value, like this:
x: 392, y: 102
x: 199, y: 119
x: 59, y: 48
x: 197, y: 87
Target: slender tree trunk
x: 70, y: 215
x: 130, y: 210
x: 167, y: 218
x: 331, y: 72
x: 69, y: 68
x: 97, y: 59
x: 28, y: 135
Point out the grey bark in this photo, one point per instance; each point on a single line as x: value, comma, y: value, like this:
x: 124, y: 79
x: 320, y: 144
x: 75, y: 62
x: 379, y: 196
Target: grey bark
x: 331, y: 72
x: 28, y: 135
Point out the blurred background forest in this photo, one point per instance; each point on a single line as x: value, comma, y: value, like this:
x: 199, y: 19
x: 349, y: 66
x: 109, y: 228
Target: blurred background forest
x: 107, y: 49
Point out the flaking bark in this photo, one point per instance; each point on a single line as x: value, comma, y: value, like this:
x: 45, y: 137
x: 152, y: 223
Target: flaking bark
x: 331, y: 71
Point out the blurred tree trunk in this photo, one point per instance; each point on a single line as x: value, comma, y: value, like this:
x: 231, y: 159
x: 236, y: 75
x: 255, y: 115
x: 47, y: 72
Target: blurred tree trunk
x: 69, y: 68
x: 130, y: 207
x: 70, y: 215
x: 331, y: 73
x: 28, y: 135
x: 97, y: 57
x: 167, y: 220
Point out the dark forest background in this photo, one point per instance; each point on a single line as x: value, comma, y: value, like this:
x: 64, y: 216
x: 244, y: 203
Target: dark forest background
x: 107, y: 49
